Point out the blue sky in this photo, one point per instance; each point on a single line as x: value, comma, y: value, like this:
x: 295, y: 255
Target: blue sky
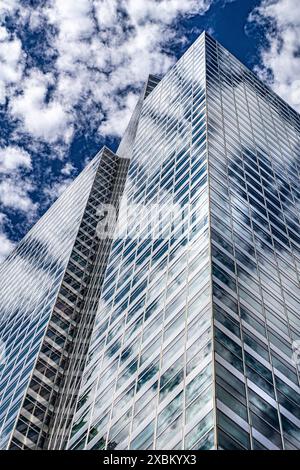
x: 70, y: 74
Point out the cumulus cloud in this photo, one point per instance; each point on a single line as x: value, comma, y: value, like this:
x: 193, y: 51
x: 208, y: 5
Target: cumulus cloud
x: 280, y: 60
x: 12, y: 158
x: 15, y: 194
x: 105, y: 47
x: 6, y: 245
x: 12, y: 60
x: 43, y: 120
x: 68, y: 169
x: 8, y: 6
x: 15, y: 186
x: 102, y: 48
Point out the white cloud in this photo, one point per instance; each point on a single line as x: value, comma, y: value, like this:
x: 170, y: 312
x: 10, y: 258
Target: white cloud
x: 3, y: 34
x: 55, y: 190
x: 8, y: 6
x: 43, y: 120
x: 15, y: 188
x: 75, y: 19
x: 164, y: 11
x: 12, y: 61
x: 15, y: 194
x: 100, y: 53
x: 12, y: 158
x: 281, y: 58
x: 117, y: 116
x: 6, y: 245
x: 68, y: 169
x: 103, y: 47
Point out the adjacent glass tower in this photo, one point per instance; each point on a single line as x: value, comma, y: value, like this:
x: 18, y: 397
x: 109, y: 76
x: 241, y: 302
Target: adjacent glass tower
x: 183, y: 333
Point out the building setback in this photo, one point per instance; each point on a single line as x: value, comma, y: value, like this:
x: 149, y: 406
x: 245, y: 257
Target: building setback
x: 156, y: 304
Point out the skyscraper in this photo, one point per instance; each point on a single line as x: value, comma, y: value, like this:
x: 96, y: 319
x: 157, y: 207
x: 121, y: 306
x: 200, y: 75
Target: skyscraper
x: 179, y: 329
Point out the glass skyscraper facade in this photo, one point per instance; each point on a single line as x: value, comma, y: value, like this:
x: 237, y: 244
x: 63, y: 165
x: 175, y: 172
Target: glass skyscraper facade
x: 50, y: 286
x: 253, y: 154
x: 180, y: 330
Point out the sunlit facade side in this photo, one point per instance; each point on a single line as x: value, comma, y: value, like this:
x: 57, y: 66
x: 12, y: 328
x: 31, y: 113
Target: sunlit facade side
x: 254, y: 171
x: 30, y: 279
x: 148, y: 381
